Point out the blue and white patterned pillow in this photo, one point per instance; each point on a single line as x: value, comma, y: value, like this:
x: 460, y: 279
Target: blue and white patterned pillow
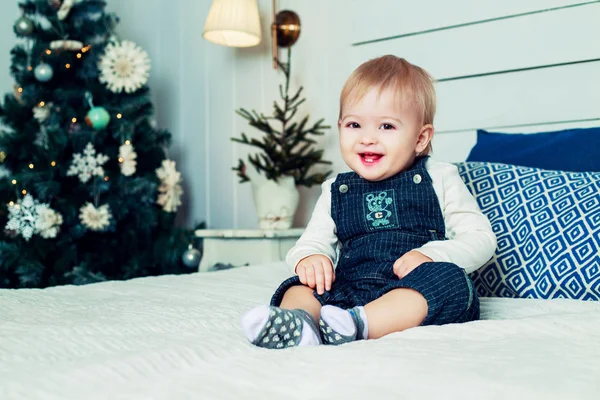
x: 548, y: 228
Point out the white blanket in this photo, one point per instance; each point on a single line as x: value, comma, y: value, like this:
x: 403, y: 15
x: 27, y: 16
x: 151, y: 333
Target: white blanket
x: 178, y: 337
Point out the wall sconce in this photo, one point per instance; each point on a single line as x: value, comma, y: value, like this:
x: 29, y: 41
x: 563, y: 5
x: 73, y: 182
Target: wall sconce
x: 236, y: 23
x: 285, y: 30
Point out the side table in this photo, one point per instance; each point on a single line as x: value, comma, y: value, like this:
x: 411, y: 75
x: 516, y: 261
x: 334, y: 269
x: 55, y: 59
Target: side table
x: 245, y: 246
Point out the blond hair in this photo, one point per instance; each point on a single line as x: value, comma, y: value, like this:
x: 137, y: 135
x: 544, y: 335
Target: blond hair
x: 411, y: 83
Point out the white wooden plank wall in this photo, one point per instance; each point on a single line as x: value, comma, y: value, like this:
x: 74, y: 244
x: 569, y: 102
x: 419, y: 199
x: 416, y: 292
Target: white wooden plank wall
x: 197, y: 85
x: 521, y: 98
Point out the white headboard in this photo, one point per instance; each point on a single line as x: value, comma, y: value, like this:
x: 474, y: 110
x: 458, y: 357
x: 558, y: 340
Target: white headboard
x: 504, y: 65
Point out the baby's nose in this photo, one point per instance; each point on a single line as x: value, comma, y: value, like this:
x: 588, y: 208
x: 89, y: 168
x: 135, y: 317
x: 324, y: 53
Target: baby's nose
x: 368, y: 138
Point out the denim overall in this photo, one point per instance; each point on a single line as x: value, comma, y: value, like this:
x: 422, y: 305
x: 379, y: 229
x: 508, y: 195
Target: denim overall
x: 377, y: 222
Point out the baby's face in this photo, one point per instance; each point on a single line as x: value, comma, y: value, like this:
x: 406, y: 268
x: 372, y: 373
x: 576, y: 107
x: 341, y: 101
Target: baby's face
x: 379, y: 138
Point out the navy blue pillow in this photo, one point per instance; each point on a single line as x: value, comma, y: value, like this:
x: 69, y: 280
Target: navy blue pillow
x: 576, y: 150
x: 548, y: 228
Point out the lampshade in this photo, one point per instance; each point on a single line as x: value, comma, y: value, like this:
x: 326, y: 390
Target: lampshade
x: 233, y: 23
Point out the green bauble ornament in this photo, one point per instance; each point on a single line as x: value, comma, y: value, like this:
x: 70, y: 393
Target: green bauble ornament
x: 98, y: 118
x: 24, y: 26
x: 191, y: 257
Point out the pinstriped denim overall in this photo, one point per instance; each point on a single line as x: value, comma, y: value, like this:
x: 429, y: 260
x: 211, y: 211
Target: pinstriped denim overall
x: 378, y: 222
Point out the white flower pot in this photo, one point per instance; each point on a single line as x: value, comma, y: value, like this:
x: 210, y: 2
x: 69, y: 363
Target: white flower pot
x: 276, y: 202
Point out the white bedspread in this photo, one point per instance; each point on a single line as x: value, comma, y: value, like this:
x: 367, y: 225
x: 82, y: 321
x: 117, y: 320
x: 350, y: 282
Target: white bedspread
x: 178, y: 337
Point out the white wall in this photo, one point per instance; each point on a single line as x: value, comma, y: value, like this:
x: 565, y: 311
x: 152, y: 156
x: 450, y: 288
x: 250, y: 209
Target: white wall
x: 324, y: 57
x: 171, y: 32
x: 198, y: 85
x: 8, y: 14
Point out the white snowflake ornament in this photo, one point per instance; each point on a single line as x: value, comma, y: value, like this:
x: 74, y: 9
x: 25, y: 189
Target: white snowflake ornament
x: 21, y: 217
x: 127, y: 156
x: 28, y: 217
x: 42, y: 113
x: 124, y: 66
x: 87, y: 165
x: 95, y: 219
x: 170, y: 187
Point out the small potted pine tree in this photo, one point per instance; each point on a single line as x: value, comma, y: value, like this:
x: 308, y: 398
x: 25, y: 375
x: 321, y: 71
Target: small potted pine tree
x: 286, y: 158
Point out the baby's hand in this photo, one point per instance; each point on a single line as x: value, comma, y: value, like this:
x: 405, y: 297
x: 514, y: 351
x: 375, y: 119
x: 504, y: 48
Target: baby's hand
x: 316, y: 271
x: 408, y: 262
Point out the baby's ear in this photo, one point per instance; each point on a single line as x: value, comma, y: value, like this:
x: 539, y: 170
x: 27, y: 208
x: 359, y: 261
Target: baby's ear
x: 339, y: 123
x: 425, y: 137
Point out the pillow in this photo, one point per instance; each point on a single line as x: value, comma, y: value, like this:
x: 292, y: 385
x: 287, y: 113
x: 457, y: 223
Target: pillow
x: 548, y: 228
x: 568, y: 150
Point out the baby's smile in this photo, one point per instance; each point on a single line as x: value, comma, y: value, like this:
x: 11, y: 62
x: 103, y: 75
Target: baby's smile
x: 370, y: 158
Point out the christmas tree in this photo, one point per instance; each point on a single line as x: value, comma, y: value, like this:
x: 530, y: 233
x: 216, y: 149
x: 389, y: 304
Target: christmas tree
x: 87, y: 192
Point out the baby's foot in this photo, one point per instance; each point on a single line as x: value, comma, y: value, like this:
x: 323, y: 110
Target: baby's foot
x: 276, y: 328
x: 339, y: 326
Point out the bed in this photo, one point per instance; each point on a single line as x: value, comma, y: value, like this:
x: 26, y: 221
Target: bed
x: 178, y: 337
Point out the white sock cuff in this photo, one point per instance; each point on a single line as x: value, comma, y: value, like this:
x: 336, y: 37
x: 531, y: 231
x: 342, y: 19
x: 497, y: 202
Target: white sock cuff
x: 309, y: 337
x: 363, y: 316
x: 339, y: 320
x: 254, y: 320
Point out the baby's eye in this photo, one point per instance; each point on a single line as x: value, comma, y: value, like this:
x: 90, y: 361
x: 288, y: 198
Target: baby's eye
x: 386, y: 126
x: 353, y: 125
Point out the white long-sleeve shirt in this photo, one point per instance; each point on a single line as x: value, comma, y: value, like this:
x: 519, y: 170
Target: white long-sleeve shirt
x: 470, y: 240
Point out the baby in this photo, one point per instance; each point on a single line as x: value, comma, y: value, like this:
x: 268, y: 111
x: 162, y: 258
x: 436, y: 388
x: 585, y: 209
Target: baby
x: 389, y: 245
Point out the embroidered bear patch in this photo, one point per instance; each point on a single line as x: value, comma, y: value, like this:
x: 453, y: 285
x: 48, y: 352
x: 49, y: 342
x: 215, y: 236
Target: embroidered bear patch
x: 380, y: 206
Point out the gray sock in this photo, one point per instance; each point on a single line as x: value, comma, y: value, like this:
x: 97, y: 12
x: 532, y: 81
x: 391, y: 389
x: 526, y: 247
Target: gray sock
x: 339, y: 326
x: 277, y: 328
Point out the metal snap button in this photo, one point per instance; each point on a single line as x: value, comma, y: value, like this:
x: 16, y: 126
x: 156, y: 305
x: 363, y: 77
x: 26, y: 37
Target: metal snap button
x: 343, y: 188
x: 417, y: 179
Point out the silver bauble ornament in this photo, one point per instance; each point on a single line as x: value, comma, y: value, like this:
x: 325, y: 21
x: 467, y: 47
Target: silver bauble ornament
x: 191, y: 257
x: 43, y: 72
x: 24, y: 26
